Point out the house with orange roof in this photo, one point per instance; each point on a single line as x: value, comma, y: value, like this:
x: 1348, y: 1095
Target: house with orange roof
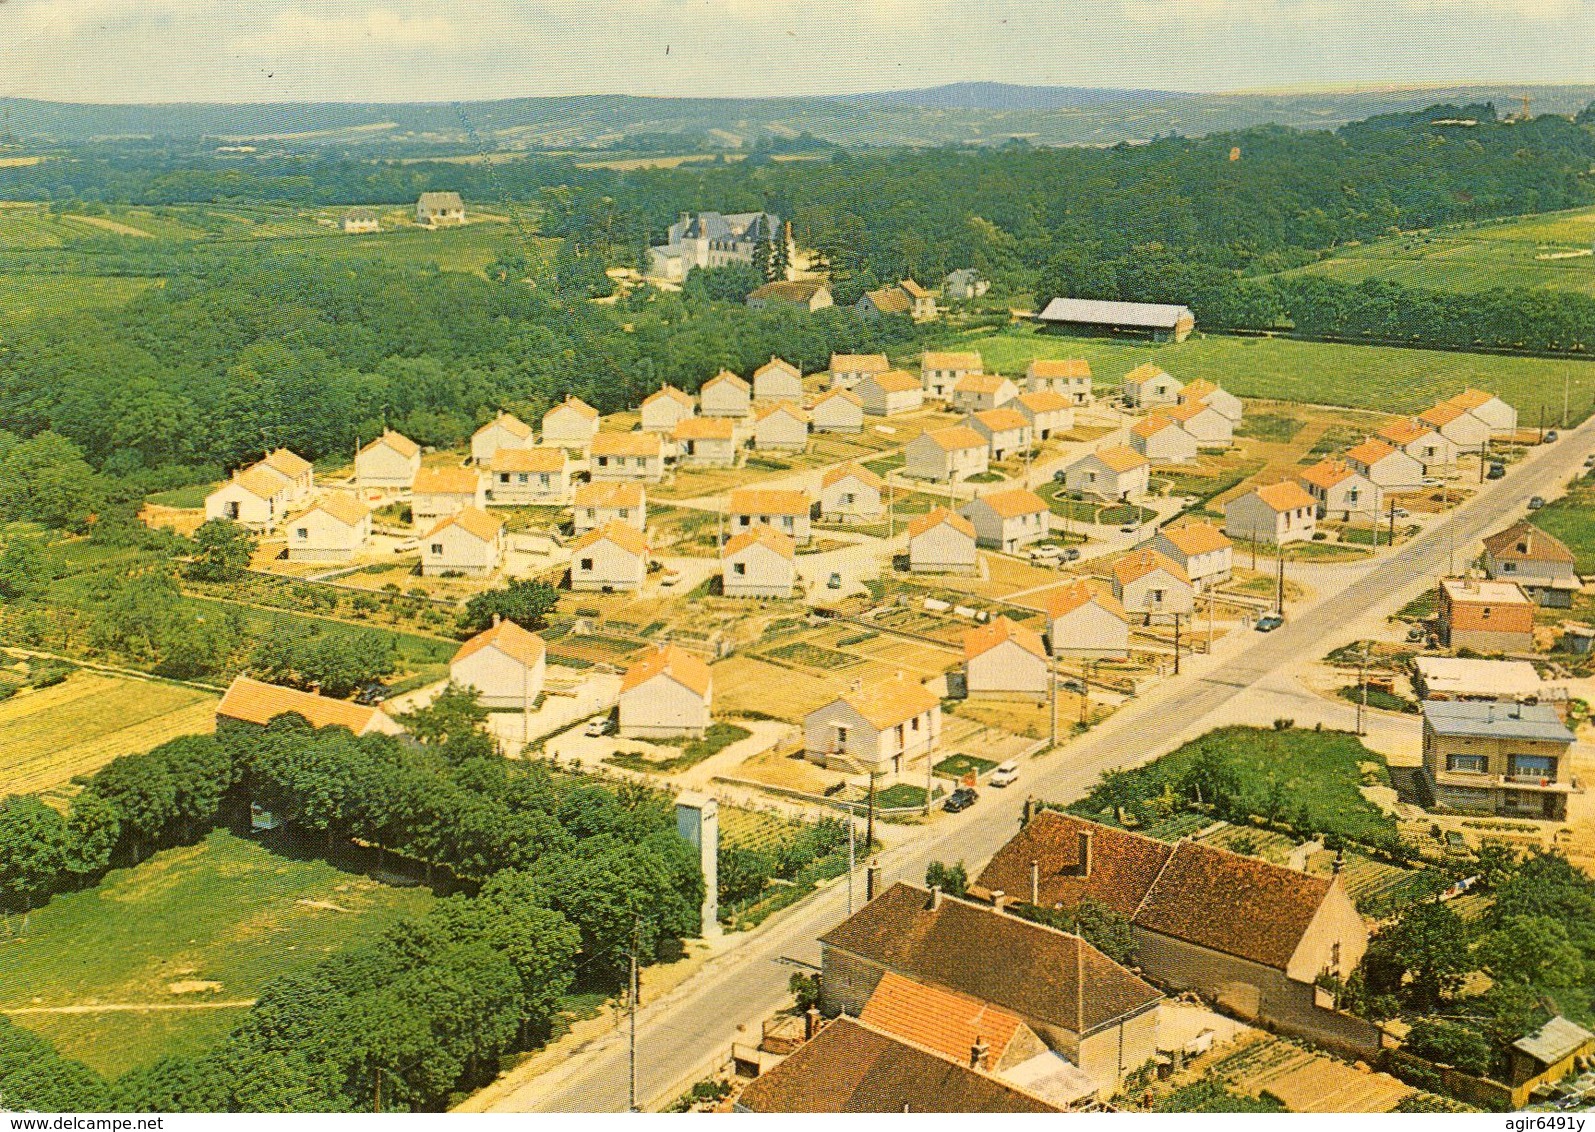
x: 1501, y: 417
x: 1539, y: 562
x: 852, y: 493
x: 1214, y: 396
x: 1113, y: 473
x: 946, y: 454
x: 665, y: 408
x: 504, y: 431
x: 847, y: 370
x: 1151, y: 584
x: 1468, y: 432
x: 570, y: 424
x: 890, y: 393
x: 705, y: 442
x: 505, y: 666
x: 1049, y: 413
x: 782, y: 509
x: 1147, y: 385
x: 332, y: 530
x: 296, y: 472
x: 441, y: 492
x: 256, y: 702
x: 884, y: 301
x: 759, y: 563
x: 1007, y: 432
x: 609, y: 501
x: 1163, y: 440
x: 980, y: 391
x: 940, y: 542
x: 839, y: 410
x: 782, y: 427
x: 1070, y: 377
x: 667, y: 694
x: 627, y: 456
x: 1279, y: 514
x: 1386, y: 465
x: 1341, y: 492
x: 253, y: 498
x: 922, y: 303
x: 612, y: 558
x: 939, y: 371
x: 1086, y: 623
x: 1419, y: 441
x: 1211, y: 428
x: 525, y: 476
x: 470, y: 543
x: 1005, y: 658
x: 1203, y: 551
x: 389, y: 462
x: 881, y: 729
x: 777, y: 380
x: 725, y: 395
x: 1008, y: 520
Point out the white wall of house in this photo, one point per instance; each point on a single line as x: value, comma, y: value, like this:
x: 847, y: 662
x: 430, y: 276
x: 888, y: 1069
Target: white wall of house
x: 923, y: 458
x: 878, y: 402
x: 757, y: 571
x: 1157, y: 593
x: 502, y: 682
x: 942, y: 550
x: 781, y: 431
x: 1467, y: 432
x: 379, y: 466
x: 428, y: 507
x: 1207, y: 568
x: 1171, y: 445
x: 851, y: 500
x: 233, y: 503
x: 1247, y: 517
x: 1399, y: 471
x: 709, y: 452
x: 837, y: 414
x: 661, y: 708
x: 494, y: 435
x: 1159, y: 390
x: 837, y: 734
x: 1089, y: 632
x: 1050, y: 423
x: 1007, y: 669
x: 662, y: 414
x: 777, y: 385
x: 317, y: 536
x: 724, y: 399
x: 644, y: 469
x: 1353, y: 498
x: 516, y: 489
x: 1007, y: 533
x: 975, y: 401
x: 796, y: 527
x: 606, y: 566
x: 585, y: 519
x: 568, y: 427
x: 454, y: 549
x: 1211, y: 428
x: 1092, y: 477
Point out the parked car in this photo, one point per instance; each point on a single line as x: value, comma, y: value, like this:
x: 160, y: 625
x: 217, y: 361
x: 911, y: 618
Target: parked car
x: 1496, y: 471
x: 1268, y: 622
x: 1071, y: 554
x: 670, y: 578
x: 1129, y: 528
x: 1005, y: 775
x: 371, y: 695
x: 599, y: 725
x: 1076, y: 686
x: 1401, y: 513
x: 1432, y: 481
x: 960, y: 800
x: 834, y: 582
x: 1549, y: 438
x: 1045, y: 553
x: 1536, y: 503
x: 1589, y: 461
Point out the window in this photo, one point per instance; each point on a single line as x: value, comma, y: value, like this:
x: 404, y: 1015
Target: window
x: 302, y: 533
x: 1532, y: 766
x: 1155, y: 597
x: 586, y: 564
x: 503, y: 477
x: 841, y: 736
x: 1485, y: 613
x: 740, y: 569
x: 437, y: 548
x: 1509, y: 567
x: 524, y: 478
x: 624, y: 513
x: 1468, y: 764
x: 914, y: 724
x: 603, y: 461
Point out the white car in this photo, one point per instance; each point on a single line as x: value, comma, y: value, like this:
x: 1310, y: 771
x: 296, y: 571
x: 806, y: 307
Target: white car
x: 1005, y: 774
x: 597, y: 726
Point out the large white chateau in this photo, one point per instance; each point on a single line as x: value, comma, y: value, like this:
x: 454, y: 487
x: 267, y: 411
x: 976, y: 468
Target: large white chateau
x: 716, y: 239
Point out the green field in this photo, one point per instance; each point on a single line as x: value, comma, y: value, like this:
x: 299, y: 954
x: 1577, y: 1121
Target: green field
x: 1572, y: 519
x: 226, y: 911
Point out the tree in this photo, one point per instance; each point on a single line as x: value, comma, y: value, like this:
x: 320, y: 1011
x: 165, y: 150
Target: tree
x: 1105, y: 929
x: 222, y: 552
x: 1422, y: 957
x: 951, y: 879
x: 525, y: 601
x: 33, y: 843
x: 805, y: 989
x: 1534, y: 950
x: 92, y: 832
x: 337, y: 662
x: 141, y: 791
x: 23, y: 570
x: 1447, y: 1043
x: 45, y: 478
x: 454, y: 712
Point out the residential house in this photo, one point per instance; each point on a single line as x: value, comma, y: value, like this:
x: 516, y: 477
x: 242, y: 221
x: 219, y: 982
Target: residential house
x: 726, y: 395
x: 438, y: 209
x: 1421, y: 442
x: 526, y: 476
x: 441, y: 492
x: 705, y: 442
x: 609, y: 501
x: 1464, y: 678
x: 1006, y: 431
x: 782, y: 426
x: 504, y: 665
x: 388, y: 463
x: 1468, y: 432
x: 1049, y: 413
x: 1070, y: 377
x: 847, y: 370
x: 1540, y: 563
x: 940, y: 542
x: 922, y: 304
x: 1205, y: 392
x: 1211, y: 428
x: 1151, y: 584
x: 360, y: 221
x: 627, y: 456
x: 851, y: 493
x: 1252, y: 936
x: 1388, y: 467
x: 1501, y: 417
x: 297, y: 474
x: 1086, y: 623
x: 939, y: 371
x: 758, y: 563
x: 949, y: 454
x: 256, y: 702
x: 1163, y: 440
x: 570, y: 424
x: 879, y: 730
x: 1114, y: 473
x: 805, y: 294
x: 1485, y: 616
x: 785, y: 510
x: 1341, y: 492
x: 254, y: 498
x: 1200, y: 549
x: 1279, y: 514
x: 777, y: 380
x: 1004, y: 658
x: 1146, y: 385
x: 887, y: 394
x: 716, y: 239
x: 1008, y: 520
x: 612, y: 558
x: 502, y: 432
x: 1500, y: 758
x: 840, y: 410
x: 469, y: 543
x: 665, y: 408
x: 964, y: 284
x: 884, y: 301
x: 333, y: 530
x: 1161, y: 322
x: 980, y: 391
x: 667, y: 694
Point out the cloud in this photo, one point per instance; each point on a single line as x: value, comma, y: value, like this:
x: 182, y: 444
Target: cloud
x: 297, y: 30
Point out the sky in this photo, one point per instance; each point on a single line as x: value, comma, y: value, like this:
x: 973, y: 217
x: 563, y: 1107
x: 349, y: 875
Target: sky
x: 431, y: 50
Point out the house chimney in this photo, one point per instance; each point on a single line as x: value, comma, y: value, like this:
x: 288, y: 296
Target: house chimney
x: 979, y: 1054
x: 998, y: 898
x: 496, y: 619
x: 811, y: 1022
x: 1035, y: 884
x: 935, y: 896
x: 1085, y: 852
x: 872, y: 880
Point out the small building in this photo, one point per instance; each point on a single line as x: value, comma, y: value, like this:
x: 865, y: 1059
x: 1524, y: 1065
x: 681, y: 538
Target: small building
x: 717, y: 239
x: 851, y: 493
x: 1163, y: 440
x: 612, y: 558
x: 880, y: 730
x: 503, y: 432
x: 1086, y: 623
x: 1543, y: 1058
x: 1421, y: 442
x: 388, y: 463
x: 1211, y: 428
x: 783, y: 427
x: 1152, y: 585
x: 1161, y: 322
x: 438, y: 209
x: 1006, y: 431
x: 1466, y: 431
x: 783, y: 509
x: 610, y: 501
x: 1070, y: 377
x: 1279, y: 514
x: 922, y: 304
x: 570, y: 424
x: 520, y: 477
x: 940, y: 542
x: 1538, y: 562
x: 1485, y: 616
x: 254, y: 498
x: 254, y: 701
x: 1113, y: 473
x: 333, y: 530
x: 504, y: 665
x: 470, y: 543
x: 297, y: 474
x: 360, y: 221
x: 665, y: 408
x: 1004, y: 658
x: 979, y: 391
x: 1459, y: 678
x: 805, y: 294
x: 705, y: 442
x: 940, y: 371
x: 1386, y: 466
x: 964, y: 284
x: 1341, y: 492
x: 759, y: 563
x: 726, y: 395
x: 667, y: 694
x: 839, y: 410
x: 441, y: 492
x: 1008, y: 520
x: 1499, y: 758
x: 1205, y: 392
x: 890, y: 393
x: 1050, y: 413
x: 1494, y: 412
x: 847, y: 370
x: 1146, y: 385
x: 1200, y: 549
x: 778, y: 380
x: 907, y: 297
x: 627, y: 456
x: 953, y: 453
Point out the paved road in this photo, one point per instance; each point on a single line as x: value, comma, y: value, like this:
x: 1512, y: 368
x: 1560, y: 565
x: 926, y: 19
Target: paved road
x: 681, y: 1035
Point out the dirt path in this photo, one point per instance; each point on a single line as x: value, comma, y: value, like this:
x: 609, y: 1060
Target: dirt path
x: 127, y: 1007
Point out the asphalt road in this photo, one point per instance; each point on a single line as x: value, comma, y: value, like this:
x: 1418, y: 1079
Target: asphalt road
x: 684, y: 1033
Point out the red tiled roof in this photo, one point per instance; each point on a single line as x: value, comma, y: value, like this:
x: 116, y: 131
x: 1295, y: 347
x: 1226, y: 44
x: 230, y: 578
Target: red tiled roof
x: 510, y: 639
x: 935, y: 518
x: 936, y: 1019
x: 673, y: 661
x: 254, y: 701
x: 983, y: 638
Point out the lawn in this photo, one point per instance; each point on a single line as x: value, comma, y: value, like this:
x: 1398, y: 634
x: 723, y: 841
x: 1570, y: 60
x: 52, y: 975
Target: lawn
x: 956, y: 766
x: 214, y: 922
x: 717, y: 738
x: 1087, y: 511
x: 1572, y: 519
x: 1271, y: 428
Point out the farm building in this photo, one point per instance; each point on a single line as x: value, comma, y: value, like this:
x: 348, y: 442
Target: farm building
x: 1545, y: 1057
x: 1085, y: 623
x: 1146, y: 386
x: 1114, y: 473
x: 1050, y: 414
x: 950, y: 454
x: 1151, y: 584
x: 1162, y: 322
x: 526, y: 476
x: 1200, y: 549
x: 887, y: 394
x: 1466, y: 431
x: 939, y: 371
x: 570, y: 424
x: 1496, y: 413
x: 840, y: 410
x: 667, y: 694
x: 333, y: 530
x: 1008, y: 520
x: 505, y: 665
x: 1421, y: 442
x: 253, y: 498
x: 758, y: 563
x: 940, y: 542
x: 256, y: 702
x: 847, y: 370
x: 1278, y: 514
x: 1540, y: 563
x: 1341, y: 492
x: 783, y: 426
x: 726, y: 395
x: 1204, y: 392
x: 1211, y: 428
x: 612, y: 558
x: 851, y: 493
x: 879, y: 730
x: 470, y: 543
x: 1006, y: 431
x: 705, y: 442
x: 805, y: 294
x: 1389, y: 468
x: 1162, y: 440
x: 1070, y: 377
x: 785, y: 510
x: 665, y: 408
x: 389, y: 462
x: 504, y: 431
x: 438, y: 209
x: 627, y: 456
x: 359, y: 221
x: 1004, y: 658
x: 609, y: 502
x: 1485, y: 616
x: 777, y: 380
x: 964, y: 284
x: 980, y: 391
x: 441, y: 492
x: 1499, y: 758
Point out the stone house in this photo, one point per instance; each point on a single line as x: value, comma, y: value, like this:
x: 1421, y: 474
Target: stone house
x: 1211, y: 428
x: 1466, y: 431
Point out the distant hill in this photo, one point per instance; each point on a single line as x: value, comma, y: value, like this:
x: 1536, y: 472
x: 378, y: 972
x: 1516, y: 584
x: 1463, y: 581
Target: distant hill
x: 1008, y: 96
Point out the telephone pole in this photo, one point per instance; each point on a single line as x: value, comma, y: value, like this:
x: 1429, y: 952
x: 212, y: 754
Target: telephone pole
x: 1176, y: 644
x: 1362, y: 680
x: 1279, y: 585
x: 635, y: 986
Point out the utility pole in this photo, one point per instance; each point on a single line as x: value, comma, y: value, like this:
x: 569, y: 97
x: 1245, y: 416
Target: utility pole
x: 852, y: 856
x: 1176, y: 644
x: 1085, y: 689
x: 1279, y: 586
x: 636, y: 935
x: 869, y: 826
x: 1362, y: 680
x: 1567, y: 391
x: 1210, y: 619
x: 1052, y: 692
x: 1392, y: 540
x: 1253, y: 540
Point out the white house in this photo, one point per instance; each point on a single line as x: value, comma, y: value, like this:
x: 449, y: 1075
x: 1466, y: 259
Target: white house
x: 1008, y: 520
x: 851, y: 493
x: 980, y: 391
x: 610, y: 501
x: 1501, y: 417
x: 389, y: 462
x: 1200, y: 549
x: 333, y: 530
x: 1214, y: 396
x: 1085, y: 623
x: 665, y: 408
x: 1468, y: 432
x: 940, y: 371
x: 887, y: 394
x: 782, y: 426
x: 360, y: 221
x: 1069, y: 377
x: 758, y: 563
x: 840, y: 410
x: 253, y: 498
x: 441, y: 492
x: 1278, y: 514
x: 785, y: 510
x: 1004, y: 658
x: 523, y: 476
x: 880, y: 730
x: 1050, y: 413
x: 964, y: 284
x: 297, y: 474
x: 1150, y: 583
x: 667, y: 694
x: 610, y: 558
x: 504, y: 431
x: 949, y: 454
x: 1147, y: 385
x: 1541, y: 564
x: 777, y: 380
x: 1115, y: 473
x: 1006, y: 431
x: 1163, y: 441
x: 1341, y: 492
x: 1211, y: 428
x: 940, y: 542
x: 1421, y: 442
x: 436, y: 209
x: 627, y: 456
x: 705, y: 442
x: 725, y: 395
x: 505, y: 666
x: 1390, y: 468
x: 469, y: 543
x: 570, y: 424
x: 847, y: 370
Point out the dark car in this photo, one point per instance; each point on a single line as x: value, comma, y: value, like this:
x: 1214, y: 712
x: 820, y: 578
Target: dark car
x: 1496, y: 471
x: 371, y: 695
x: 1060, y: 477
x: 1549, y: 438
x: 960, y: 800
x: 1536, y: 503
x: 1268, y: 622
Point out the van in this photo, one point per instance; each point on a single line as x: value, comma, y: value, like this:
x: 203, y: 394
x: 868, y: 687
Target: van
x: 1005, y: 774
